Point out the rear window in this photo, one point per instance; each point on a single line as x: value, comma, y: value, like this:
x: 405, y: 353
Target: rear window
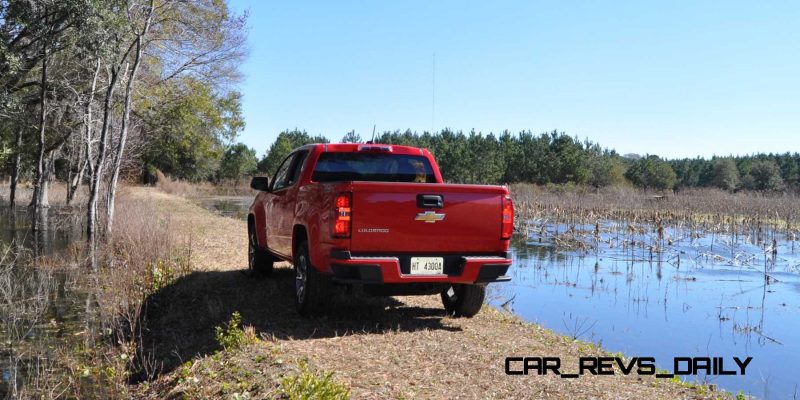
x: 374, y: 167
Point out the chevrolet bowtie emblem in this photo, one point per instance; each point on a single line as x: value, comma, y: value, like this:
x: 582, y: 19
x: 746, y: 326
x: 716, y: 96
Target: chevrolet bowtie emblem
x: 430, y: 217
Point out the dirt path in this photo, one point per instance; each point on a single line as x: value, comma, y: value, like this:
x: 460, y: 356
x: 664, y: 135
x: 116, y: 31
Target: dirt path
x: 379, y: 348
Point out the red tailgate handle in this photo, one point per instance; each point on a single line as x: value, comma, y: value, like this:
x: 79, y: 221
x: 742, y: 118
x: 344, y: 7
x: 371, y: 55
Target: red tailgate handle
x: 430, y: 201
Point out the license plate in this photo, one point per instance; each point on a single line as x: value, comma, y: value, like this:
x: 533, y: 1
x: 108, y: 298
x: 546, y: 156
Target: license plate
x: 427, y: 265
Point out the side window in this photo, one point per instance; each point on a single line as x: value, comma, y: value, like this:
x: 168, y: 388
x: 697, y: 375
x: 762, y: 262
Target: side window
x: 289, y: 171
x: 280, y: 181
x: 297, y: 168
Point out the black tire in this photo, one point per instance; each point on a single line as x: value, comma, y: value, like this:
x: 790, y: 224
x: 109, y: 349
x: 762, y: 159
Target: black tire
x: 311, y: 289
x: 259, y: 262
x: 463, y: 300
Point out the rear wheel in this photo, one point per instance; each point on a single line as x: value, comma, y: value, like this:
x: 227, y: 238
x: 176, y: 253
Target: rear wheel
x: 311, y: 287
x: 259, y: 262
x: 463, y: 300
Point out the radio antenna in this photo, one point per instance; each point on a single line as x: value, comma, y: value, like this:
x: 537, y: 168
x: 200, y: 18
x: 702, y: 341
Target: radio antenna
x: 373, y: 134
x: 433, y: 95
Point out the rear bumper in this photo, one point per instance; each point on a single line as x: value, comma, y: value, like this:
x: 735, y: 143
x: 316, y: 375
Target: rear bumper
x: 348, y: 268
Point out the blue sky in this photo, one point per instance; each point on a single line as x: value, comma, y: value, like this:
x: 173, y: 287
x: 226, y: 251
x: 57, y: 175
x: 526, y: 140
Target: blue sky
x: 678, y: 79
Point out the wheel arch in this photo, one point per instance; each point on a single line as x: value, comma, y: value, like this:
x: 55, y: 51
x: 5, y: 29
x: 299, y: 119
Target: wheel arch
x: 301, y: 233
x: 251, y: 227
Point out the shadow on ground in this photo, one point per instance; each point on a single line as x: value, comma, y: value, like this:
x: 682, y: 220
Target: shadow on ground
x: 180, y: 318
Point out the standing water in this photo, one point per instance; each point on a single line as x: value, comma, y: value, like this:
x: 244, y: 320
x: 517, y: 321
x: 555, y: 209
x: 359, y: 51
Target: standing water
x: 680, y: 294
x: 43, y: 309
x: 227, y: 206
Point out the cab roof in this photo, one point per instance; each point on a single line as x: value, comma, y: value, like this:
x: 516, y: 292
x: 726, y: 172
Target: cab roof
x: 367, y: 147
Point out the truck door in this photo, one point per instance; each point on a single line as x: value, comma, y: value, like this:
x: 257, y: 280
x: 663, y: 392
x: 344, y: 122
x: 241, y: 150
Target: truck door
x: 280, y: 212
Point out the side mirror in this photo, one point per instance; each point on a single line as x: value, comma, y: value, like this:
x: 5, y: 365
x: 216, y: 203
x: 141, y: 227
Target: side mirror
x: 260, y: 183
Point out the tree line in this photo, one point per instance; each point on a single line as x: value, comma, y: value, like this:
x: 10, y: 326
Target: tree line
x: 93, y: 89
x: 557, y: 158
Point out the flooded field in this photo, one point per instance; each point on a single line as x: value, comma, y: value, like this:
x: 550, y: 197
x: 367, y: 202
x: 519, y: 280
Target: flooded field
x: 659, y: 292
x: 44, y: 308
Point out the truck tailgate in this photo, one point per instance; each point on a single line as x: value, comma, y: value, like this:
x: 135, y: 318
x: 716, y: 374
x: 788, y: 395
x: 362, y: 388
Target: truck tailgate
x: 389, y: 218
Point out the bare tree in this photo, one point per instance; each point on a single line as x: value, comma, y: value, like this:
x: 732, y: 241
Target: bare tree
x: 113, y: 73
x: 120, y: 148
x: 36, y: 201
x: 15, y: 166
x: 84, y: 144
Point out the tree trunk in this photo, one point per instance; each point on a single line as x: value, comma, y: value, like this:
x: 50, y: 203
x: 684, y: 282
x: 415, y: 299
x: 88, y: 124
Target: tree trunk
x: 73, y: 168
x: 97, y: 175
x: 87, y: 163
x: 15, y: 168
x: 123, y: 136
x: 70, y: 175
x: 47, y: 173
x: 120, y: 148
x: 36, y: 200
x: 75, y: 183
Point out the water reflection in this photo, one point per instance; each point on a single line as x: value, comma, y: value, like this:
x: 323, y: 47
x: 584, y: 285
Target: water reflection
x: 227, y: 206
x: 61, y: 227
x: 44, y: 307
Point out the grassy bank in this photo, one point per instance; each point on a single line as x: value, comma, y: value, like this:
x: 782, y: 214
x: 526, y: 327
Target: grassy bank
x: 373, y: 347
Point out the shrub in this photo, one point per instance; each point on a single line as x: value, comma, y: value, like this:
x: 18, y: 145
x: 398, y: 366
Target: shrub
x: 308, y: 385
x: 233, y: 336
x: 176, y: 187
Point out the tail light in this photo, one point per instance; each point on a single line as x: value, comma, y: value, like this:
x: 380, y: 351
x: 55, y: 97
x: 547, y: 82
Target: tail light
x: 342, y: 213
x: 507, y: 225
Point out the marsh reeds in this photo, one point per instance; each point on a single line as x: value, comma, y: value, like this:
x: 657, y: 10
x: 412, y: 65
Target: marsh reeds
x: 634, y: 219
x: 25, y: 295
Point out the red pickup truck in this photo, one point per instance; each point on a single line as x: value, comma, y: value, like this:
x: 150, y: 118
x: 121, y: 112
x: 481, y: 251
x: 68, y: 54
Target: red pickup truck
x: 379, y: 216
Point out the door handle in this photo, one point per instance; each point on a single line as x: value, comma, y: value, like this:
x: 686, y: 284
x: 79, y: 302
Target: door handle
x: 430, y: 201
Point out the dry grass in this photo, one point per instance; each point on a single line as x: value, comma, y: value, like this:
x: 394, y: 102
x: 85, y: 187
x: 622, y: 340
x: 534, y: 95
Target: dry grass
x: 191, y: 222
x: 176, y: 187
x: 145, y: 254
x: 377, y: 347
x: 193, y: 189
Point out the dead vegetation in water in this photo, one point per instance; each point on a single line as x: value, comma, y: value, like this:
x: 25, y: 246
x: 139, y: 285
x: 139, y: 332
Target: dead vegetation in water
x: 24, y: 300
x: 700, y: 206
x: 577, y: 219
